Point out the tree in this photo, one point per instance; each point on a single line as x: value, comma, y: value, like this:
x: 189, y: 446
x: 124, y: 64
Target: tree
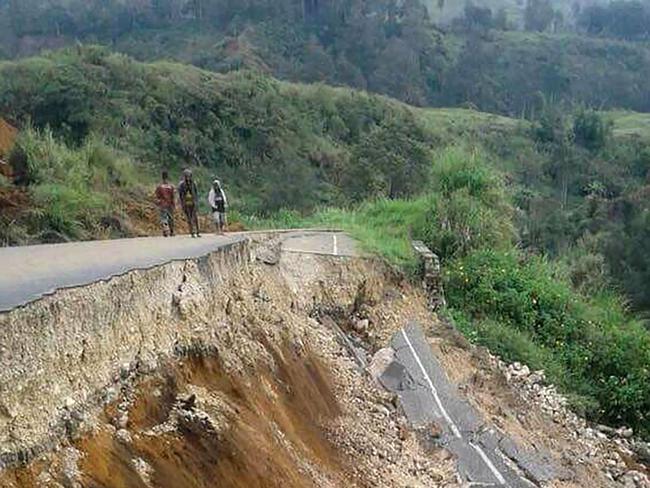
x: 399, y: 74
x: 590, y: 130
x: 317, y: 64
x: 623, y: 19
x: 501, y: 21
x: 476, y: 17
x: 554, y: 136
x: 538, y: 15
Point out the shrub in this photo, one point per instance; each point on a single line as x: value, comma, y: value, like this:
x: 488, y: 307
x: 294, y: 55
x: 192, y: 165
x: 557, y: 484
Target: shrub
x: 468, y: 208
x: 72, y: 189
x: 522, y: 309
x: 590, y: 130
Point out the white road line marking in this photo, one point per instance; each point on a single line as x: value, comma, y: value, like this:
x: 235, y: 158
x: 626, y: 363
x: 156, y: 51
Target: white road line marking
x: 315, y: 253
x: 434, y: 392
x: 336, y: 245
x: 451, y: 423
x: 489, y: 463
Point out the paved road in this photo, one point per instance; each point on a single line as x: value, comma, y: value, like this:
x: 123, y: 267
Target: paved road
x: 486, y: 457
x: 333, y: 243
x: 28, y: 273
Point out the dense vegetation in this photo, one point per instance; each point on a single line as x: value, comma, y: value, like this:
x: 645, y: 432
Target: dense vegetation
x: 501, y: 59
x: 280, y: 145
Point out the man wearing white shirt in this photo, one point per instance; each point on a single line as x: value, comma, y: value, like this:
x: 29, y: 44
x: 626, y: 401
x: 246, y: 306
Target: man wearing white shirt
x: 219, y: 205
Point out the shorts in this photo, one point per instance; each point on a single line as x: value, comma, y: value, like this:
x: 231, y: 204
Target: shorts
x: 166, y: 216
x: 219, y: 218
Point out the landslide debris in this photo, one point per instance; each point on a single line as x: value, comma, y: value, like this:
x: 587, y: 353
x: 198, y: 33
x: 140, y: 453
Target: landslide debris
x: 274, y: 400
x: 277, y: 399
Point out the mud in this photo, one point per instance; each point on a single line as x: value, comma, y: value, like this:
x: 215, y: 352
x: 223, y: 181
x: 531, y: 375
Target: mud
x: 244, y: 453
x: 8, y: 135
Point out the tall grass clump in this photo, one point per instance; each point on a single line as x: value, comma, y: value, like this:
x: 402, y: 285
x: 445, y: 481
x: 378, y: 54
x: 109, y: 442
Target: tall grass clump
x: 470, y: 208
x: 71, y: 188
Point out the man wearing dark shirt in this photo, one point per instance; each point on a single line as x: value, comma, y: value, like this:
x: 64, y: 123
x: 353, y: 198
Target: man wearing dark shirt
x: 165, y: 202
x: 189, y: 197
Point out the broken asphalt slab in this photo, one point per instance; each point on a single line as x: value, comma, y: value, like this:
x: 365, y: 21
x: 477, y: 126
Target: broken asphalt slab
x: 486, y: 457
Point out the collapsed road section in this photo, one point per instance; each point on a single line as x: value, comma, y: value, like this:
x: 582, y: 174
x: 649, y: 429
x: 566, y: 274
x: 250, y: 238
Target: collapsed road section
x: 485, y: 456
x: 207, y: 371
x: 232, y: 367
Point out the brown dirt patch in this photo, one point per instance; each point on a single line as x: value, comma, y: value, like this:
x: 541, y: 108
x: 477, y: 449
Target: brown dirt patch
x: 13, y: 200
x: 292, y: 403
x: 8, y: 135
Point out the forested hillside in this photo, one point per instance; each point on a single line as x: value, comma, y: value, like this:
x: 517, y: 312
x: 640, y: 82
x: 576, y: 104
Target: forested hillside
x: 490, y: 58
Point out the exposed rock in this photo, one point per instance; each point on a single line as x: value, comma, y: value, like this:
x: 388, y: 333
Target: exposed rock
x: 431, y: 276
x: 361, y: 326
x: 603, y: 442
x: 642, y: 450
x: 269, y: 254
x: 605, y: 429
x: 123, y: 436
x: 70, y: 460
x: 144, y: 470
x: 625, y: 433
x: 380, y: 362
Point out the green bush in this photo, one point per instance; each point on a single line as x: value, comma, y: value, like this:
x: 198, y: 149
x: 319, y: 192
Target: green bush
x: 522, y: 309
x: 591, y: 130
x: 468, y: 207
x: 281, y: 145
x: 72, y: 189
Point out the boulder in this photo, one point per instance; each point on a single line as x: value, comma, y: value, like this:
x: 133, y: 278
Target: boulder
x: 380, y: 362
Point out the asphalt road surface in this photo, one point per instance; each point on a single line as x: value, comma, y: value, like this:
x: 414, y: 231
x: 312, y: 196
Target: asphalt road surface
x: 28, y: 273
x: 486, y: 457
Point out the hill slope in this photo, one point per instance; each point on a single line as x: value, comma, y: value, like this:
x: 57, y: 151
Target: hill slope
x: 478, y: 188
x: 98, y: 127
x: 377, y: 45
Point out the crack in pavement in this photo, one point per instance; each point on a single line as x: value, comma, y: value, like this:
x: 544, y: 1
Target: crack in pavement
x: 486, y: 457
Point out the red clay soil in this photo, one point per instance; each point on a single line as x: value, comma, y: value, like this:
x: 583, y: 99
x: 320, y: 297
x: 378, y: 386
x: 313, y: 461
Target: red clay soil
x: 8, y: 135
x: 245, y: 454
x: 13, y: 201
x: 7, y: 140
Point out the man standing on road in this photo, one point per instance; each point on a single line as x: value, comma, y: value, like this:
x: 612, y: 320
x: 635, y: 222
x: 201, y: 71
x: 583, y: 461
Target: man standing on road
x: 218, y: 204
x: 188, y: 194
x: 165, y: 202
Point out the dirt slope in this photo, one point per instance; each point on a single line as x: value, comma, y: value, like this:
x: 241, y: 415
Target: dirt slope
x: 7, y: 138
x: 266, y: 395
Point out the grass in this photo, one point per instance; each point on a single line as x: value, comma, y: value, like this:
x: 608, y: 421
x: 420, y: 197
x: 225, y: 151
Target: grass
x: 627, y: 123
x: 468, y: 124
x: 381, y: 227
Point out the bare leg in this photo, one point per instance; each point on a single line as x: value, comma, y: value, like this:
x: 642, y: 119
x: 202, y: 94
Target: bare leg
x: 190, y: 220
x: 195, y: 217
